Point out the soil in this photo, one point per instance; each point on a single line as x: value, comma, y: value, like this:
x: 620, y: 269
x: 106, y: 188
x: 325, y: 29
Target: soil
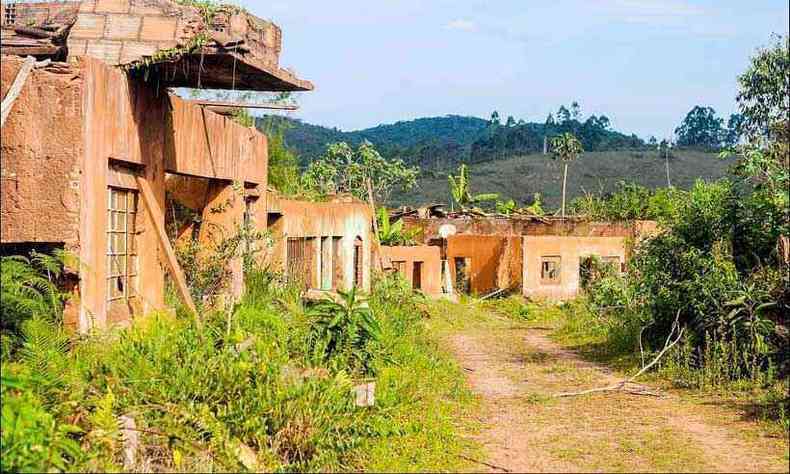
x: 517, y: 370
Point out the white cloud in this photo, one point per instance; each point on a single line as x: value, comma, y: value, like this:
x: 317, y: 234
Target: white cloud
x: 461, y: 25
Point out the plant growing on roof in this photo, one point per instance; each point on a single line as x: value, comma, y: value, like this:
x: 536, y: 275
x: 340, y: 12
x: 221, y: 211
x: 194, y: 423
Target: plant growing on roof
x: 394, y: 233
x: 566, y: 148
x: 460, y: 189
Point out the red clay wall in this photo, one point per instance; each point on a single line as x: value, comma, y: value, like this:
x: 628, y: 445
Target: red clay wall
x: 495, y: 260
x: 430, y: 256
x: 210, y: 145
x: 39, y: 164
x: 348, y: 220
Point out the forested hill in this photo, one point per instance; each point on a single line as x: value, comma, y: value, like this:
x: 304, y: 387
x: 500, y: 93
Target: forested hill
x: 440, y: 143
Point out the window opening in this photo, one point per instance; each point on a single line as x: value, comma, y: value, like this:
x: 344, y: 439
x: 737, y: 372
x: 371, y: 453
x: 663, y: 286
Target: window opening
x: 121, y: 244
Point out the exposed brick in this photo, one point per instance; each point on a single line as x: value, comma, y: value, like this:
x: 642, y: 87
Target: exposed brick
x: 122, y: 27
x: 133, y: 50
x: 138, y: 9
x: 88, y: 25
x: 77, y: 47
x: 158, y: 28
x: 107, y: 51
x: 112, y: 6
x: 87, y: 6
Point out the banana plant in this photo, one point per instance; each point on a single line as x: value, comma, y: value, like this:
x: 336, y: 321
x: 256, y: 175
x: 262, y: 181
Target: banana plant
x: 460, y: 189
x: 394, y: 233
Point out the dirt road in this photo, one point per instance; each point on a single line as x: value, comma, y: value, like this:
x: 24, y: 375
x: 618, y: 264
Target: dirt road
x: 516, y: 370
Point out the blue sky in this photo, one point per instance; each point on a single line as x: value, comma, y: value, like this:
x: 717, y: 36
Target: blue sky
x: 643, y: 63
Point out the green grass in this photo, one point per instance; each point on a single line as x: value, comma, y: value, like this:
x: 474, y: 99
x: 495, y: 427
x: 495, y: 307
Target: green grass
x: 248, y: 392
x: 595, y: 172
x: 612, y: 341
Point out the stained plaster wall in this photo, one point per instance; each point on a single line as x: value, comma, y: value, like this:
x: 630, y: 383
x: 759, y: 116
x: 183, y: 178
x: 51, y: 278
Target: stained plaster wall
x: 570, y: 249
x: 429, y: 255
x: 65, y: 131
x: 39, y: 164
x: 495, y: 260
x: 348, y: 220
x: 135, y: 123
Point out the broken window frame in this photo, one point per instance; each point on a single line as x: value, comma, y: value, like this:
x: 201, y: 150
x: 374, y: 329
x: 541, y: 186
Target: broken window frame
x: 126, y: 259
x: 551, y: 270
x: 358, y: 275
x: 416, y: 274
x: 463, y: 274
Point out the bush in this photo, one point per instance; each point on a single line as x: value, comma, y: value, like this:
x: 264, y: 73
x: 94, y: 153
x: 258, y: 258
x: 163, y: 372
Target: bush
x: 243, y: 393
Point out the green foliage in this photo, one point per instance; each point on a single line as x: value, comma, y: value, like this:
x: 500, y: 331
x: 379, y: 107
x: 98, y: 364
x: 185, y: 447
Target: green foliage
x: 242, y: 117
x: 566, y: 147
x: 29, y: 289
x: 284, y: 174
x: 628, y: 202
x: 32, y: 439
x: 394, y: 233
x: 701, y: 128
x: 762, y: 92
x: 460, y: 189
x: 244, y: 393
x: 344, y: 332
x: 343, y: 169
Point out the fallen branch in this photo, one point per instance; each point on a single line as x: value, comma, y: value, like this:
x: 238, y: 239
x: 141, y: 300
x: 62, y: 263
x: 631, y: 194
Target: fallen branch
x: 492, y: 466
x: 622, y: 386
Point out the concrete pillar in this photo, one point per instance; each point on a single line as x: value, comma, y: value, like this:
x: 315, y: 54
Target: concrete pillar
x: 223, y: 218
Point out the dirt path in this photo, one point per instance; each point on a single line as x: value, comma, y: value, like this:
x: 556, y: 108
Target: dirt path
x: 516, y: 370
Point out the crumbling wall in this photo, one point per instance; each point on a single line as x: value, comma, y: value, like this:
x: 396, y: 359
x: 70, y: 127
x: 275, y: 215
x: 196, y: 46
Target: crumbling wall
x: 347, y: 220
x: 570, y: 250
x: 431, y: 269
x: 39, y: 164
x: 125, y: 31
x: 495, y: 260
x: 205, y: 144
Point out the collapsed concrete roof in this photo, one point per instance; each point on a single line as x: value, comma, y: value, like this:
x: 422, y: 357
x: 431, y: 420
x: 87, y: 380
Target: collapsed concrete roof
x: 216, y: 47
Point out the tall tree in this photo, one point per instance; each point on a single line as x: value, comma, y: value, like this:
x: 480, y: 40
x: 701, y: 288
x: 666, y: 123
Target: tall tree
x: 763, y: 97
x: 566, y: 148
x: 576, y: 111
x: 734, y: 130
x: 563, y: 114
x: 511, y: 122
x: 495, y: 118
x: 700, y: 128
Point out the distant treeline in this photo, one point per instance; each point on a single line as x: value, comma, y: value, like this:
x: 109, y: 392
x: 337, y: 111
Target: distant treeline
x: 438, y: 144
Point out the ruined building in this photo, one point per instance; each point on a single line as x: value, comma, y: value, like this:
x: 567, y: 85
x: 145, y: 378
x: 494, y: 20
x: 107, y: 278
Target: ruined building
x: 93, y: 139
x: 539, y: 257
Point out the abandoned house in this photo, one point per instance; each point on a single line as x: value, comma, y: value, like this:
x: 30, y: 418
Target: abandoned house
x: 420, y: 265
x: 541, y: 257
x: 93, y: 140
x: 325, y: 246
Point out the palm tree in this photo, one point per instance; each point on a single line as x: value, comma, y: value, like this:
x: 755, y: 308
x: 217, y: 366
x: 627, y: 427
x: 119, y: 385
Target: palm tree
x: 565, y: 147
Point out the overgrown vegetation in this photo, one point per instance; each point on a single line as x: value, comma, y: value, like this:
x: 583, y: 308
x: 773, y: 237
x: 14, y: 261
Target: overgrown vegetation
x: 268, y: 386
x: 393, y: 233
x: 718, y: 266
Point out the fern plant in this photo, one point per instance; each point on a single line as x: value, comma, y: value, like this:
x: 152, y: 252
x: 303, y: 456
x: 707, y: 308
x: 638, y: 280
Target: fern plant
x: 29, y: 289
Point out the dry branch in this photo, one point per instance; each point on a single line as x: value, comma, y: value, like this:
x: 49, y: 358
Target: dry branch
x: 623, y: 385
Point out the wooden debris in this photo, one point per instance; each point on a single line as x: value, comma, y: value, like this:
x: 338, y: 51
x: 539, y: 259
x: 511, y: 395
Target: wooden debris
x: 16, y: 88
x: 170, y: 256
